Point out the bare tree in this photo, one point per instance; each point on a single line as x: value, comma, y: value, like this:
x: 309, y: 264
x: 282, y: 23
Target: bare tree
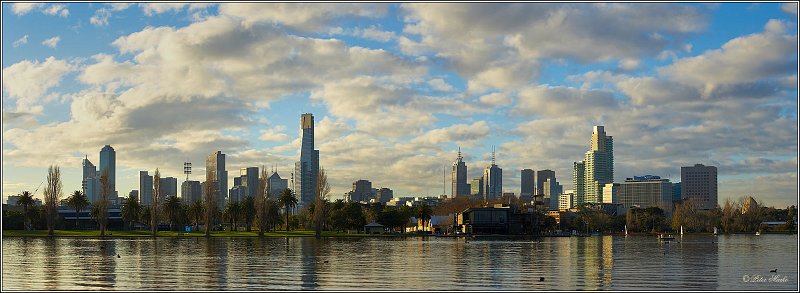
x: 52, y: 194
x: 210, y: 201
x: 262, y: 210
x: 320, y: 200
x: 154, y: 209
x: 102, y: 203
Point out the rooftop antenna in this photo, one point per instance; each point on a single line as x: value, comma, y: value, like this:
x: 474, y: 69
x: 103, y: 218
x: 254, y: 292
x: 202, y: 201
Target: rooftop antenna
x: 187, y: 169
x: 444, y: 180
x: 493, y: 160
x: 459, y: 152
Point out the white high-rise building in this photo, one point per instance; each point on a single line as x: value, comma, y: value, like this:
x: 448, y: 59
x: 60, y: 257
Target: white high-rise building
x: 598, y: 166
x: 566, y: 200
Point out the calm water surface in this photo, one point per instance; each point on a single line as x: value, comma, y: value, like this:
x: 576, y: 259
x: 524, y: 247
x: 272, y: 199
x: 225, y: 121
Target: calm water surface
x: 694, y: 262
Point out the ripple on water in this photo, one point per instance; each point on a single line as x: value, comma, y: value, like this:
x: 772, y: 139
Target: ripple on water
x: 585, y: 263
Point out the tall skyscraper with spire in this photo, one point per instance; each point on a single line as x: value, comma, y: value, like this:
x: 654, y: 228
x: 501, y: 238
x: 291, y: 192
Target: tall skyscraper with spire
x: 306, y: 170
x: 598, y: 168
x: 492, y: 180
x: 459, y: 174
x: 108, y: 161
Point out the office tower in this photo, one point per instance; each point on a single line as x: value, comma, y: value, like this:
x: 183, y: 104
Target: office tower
x: 191, y: 191
x: 249, y: 179
x: 145, y: 188
x: 305, y: 178
x: 215, y: 168
x: 646, y: 191
x: 476, y: 187
x: 91, y: 182
x: 459, y: 176
x: 237, y: 193
x: 385, y: 195
x: 237, y: 181
x: 611, y: 193
x: 598, y: 167
x: 699, y: 183
x: 566, y: 200
x: 551, y: 190
x: 578, y: 181
x: 108, y: 161
x: 167, y: 186
x: 676, y: 192
x: 276, y: 185
x: 527, y: 184
x: 541, y: 178
x: 135, y: 194
x: 493, y: 181
x: 362, y: 191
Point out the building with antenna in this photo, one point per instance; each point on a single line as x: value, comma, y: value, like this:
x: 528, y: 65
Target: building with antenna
x: 275, y: 184
x: 459, y: 177
x: 492, y: 180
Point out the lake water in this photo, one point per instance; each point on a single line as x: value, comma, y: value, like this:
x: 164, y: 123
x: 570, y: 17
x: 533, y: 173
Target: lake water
x: 693, y: 262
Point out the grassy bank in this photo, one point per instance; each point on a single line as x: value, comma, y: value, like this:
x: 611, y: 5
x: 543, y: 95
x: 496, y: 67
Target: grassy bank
x: 143, y: 233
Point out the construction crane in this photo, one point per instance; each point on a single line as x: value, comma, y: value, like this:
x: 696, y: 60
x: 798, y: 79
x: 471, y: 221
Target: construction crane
x: 37, y: 189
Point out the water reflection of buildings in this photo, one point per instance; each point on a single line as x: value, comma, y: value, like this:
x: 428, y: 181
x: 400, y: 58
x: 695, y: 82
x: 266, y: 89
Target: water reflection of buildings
x: 309, y: 252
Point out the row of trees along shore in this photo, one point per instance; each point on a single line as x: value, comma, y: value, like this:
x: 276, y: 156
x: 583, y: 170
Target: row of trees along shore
x: 264, y: 213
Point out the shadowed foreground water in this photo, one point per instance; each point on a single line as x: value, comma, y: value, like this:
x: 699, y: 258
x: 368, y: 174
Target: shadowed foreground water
x: 696, y: 262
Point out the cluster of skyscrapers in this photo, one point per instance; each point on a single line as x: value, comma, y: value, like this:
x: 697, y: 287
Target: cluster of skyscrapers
x: 488, y: 186
x: 90, y: 183
x: 244, y: 185
x: 592, y: 178
x: 593, y: 183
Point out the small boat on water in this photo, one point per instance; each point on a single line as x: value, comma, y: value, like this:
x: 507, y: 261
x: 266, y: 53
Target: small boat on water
x: 626, y: 230
x: 681, y: 230
x: 715, y: 231
x: 758, y: 233
x: 666, y: 237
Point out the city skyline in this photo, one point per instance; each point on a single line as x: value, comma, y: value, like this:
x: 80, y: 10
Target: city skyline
x: 395, y: 90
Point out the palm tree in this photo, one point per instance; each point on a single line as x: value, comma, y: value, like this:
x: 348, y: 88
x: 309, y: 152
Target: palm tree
x: 288, y: 200
x: 172, y: 210
x: 25, y: 200
x: 248, y: 206
x: 196, y: 212
x: 77, y: 201
x: 131, y: 210
x: 233, y: 211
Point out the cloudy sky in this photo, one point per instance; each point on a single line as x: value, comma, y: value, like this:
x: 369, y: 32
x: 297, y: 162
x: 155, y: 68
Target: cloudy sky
x: 397, y: 88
